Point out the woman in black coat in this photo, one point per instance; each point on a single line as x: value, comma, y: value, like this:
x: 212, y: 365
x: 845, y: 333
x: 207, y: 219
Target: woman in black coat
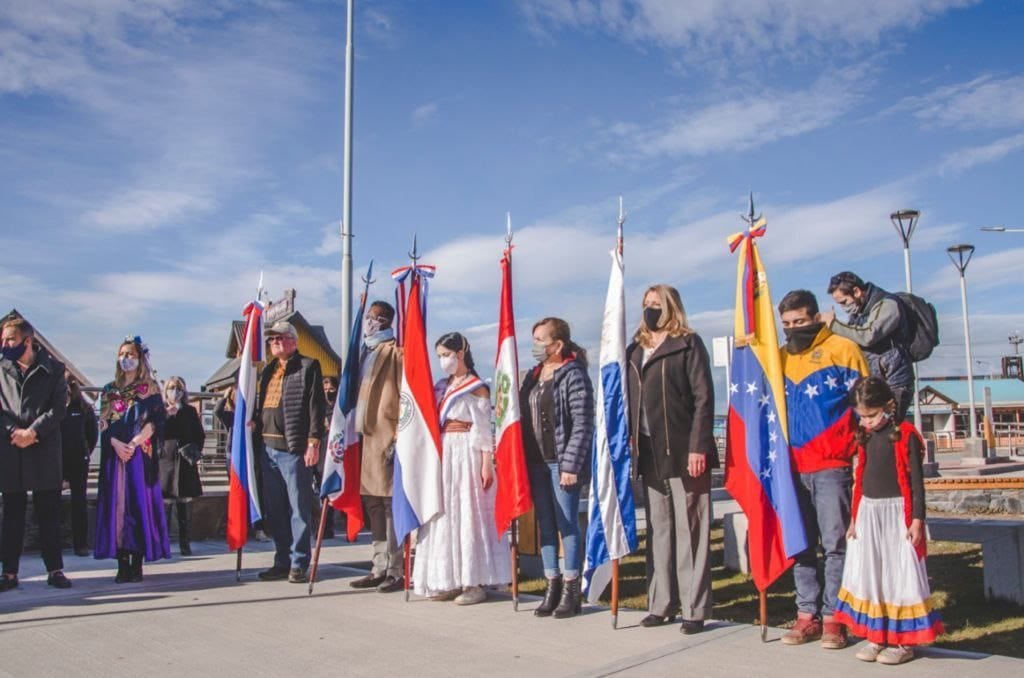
x: 671, y: 420
x: 79, y: 435
x: 557, y: 405
x: 179, y: 458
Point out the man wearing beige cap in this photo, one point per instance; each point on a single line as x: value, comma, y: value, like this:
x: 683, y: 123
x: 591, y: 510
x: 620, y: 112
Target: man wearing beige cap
x: 290, y: 419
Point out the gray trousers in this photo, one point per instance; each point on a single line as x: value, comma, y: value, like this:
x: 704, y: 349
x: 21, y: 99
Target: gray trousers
x: 388, y: 559
x: 678, y: 544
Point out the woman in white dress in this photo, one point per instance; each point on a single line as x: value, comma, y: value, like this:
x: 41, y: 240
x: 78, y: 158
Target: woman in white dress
x: 459, y: 552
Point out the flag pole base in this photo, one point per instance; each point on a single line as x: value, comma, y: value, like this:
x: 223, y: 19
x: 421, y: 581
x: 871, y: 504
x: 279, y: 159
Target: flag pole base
x: 408, y: 551
x: 515, y: 564
x: 319, y: 544
x: 763, y: 595
x: 615, y: 593
x: 238, y: 566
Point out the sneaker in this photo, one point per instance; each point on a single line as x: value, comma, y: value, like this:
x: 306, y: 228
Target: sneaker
x: 833, y: 635
x: 471, y: 596
x: 58, y: 580
x: 297, y: 576
x: 8, y: 583
x: 262, y: 537
x: 391, y: 584
x: 445, y: 596
x: 274, y: 574
x: 370, y: 581
x: 895, y: 655
x: 869, y: 652
x: 805, y: 629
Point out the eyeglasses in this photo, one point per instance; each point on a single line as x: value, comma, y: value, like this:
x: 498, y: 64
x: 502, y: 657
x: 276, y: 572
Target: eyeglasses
x: 278, y: 339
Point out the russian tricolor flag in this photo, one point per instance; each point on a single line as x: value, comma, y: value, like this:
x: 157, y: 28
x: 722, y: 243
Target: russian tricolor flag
x: 417, y: 495
x: 611, y: 532
x: 243, y: 490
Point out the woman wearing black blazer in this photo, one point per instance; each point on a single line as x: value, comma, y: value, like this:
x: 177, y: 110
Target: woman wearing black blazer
x: 179, y: 459
x: 671, y: 417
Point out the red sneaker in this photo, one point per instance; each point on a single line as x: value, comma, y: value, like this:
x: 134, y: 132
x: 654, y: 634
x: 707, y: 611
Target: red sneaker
x: 805, y: 629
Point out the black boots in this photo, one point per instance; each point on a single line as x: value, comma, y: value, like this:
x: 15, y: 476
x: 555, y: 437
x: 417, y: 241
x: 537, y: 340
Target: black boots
x: 124, y: 574
x: 551, y: 595
x: 571, y: 603
x: 135, y: 567
x: 184, y: 511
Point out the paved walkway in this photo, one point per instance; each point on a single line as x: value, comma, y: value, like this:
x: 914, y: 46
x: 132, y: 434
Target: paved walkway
x: 191, y: 618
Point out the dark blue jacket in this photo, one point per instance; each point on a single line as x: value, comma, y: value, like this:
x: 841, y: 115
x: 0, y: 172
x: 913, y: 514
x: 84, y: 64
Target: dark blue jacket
x: 574, y: 414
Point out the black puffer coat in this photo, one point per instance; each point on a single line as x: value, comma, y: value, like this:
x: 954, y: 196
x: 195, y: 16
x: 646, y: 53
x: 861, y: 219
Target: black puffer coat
x: 574, y: 415
x: 37, y: 401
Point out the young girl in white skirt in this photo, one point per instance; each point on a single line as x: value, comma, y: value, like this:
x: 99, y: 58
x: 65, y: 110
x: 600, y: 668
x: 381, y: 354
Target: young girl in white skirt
x: 459, y: 552
x: 884, y: 596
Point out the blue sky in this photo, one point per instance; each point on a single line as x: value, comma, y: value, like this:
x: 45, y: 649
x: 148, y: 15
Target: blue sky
x: 155, y: 155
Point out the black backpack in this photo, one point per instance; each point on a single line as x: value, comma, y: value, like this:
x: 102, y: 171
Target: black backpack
x: 921, y: 329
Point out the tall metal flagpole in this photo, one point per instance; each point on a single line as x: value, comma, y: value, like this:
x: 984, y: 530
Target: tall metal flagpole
x: 514, y: 527
x: 346, y: 218
x: 615, y: 561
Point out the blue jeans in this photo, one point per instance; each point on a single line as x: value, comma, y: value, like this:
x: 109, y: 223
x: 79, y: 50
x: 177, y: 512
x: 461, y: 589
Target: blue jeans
x: 557, y: 510
x: 825, y: 502
x: 288, y: 490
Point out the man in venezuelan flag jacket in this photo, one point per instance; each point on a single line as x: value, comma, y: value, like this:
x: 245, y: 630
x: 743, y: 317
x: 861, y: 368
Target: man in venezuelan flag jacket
x: 820, y: 368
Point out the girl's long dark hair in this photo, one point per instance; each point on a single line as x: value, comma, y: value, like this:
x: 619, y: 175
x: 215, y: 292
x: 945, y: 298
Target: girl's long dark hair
x: 873, y: 392
x: 560, y: 332
x: 453, y: 341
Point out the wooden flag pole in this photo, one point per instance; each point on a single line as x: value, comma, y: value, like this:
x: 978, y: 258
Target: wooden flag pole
x: 319, y: 543
x: 764, y: 616
x: 238, y: 565
x: 408, y: 556
x: 615, y: 593
x: 515, y: 564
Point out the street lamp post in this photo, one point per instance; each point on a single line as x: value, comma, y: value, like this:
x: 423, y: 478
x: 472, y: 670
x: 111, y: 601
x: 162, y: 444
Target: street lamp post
x: 905, y: 222
x: 960, y: 255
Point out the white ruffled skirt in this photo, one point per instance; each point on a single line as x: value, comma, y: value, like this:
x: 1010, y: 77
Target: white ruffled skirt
x: 460, y: 548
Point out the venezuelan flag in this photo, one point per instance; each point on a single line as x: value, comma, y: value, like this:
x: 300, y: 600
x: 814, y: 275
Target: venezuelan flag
x: 757, y: 464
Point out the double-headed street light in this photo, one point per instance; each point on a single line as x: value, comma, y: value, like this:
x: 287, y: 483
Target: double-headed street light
x: 905, y: 222
x: 960, y: 255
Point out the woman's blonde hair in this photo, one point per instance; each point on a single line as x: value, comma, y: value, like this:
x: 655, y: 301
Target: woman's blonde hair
x: 180, y: 383
x: 673, y: 315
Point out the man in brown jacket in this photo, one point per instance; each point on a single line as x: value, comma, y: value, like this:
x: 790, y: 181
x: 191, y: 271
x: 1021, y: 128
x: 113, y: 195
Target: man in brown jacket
x: 377, y: 422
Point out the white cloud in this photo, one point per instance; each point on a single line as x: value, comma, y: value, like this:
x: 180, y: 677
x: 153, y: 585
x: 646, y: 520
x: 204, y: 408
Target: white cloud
x: 422, y: 114
x: 983, y: 103
x: 747, y: 122
x: 144, y: 209
x: 709, y: 28
x: 967, y: 158
x: 984, y: 272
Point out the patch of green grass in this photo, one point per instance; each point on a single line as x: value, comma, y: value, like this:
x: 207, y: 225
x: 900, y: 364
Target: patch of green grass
x: 955, y: 569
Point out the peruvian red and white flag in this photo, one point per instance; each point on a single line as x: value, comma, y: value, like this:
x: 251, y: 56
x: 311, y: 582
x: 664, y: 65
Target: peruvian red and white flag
x: 417, y: 495
x: 513, y: 484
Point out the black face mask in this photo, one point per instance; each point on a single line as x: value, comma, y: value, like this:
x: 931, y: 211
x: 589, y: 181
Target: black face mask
x: 331, y: 396
x: 651, y: 317
x: 800, y: 338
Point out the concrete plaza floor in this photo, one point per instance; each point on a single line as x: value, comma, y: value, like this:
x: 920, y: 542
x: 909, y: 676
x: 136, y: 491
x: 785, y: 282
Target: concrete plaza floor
x: 191, y: 618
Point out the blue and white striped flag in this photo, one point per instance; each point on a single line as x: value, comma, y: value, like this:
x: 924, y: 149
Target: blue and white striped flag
x: 611, y: 532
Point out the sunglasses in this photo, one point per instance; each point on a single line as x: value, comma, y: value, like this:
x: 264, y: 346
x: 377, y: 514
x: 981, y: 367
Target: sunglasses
x: 278, y: 339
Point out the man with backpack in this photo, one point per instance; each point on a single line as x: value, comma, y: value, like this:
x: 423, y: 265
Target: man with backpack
x: 895, y: 331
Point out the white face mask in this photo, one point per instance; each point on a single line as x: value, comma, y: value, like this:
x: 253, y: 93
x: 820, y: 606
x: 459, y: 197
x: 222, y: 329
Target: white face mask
x: 449, y: 363
x: 174, y: 394
x: 129, y: 363
x: 372, y: 325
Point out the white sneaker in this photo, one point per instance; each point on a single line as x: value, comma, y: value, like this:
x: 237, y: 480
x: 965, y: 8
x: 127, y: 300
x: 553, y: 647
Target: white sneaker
x: 471, y: 595
x: 869, y: 652
x: 895, y: 655
x: 446, y: 595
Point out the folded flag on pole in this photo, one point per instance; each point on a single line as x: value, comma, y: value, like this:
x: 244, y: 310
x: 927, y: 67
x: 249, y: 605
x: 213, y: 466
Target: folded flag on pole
x: 513, y: 492
x: 611, y: 532
x: 417, y: 484
x: 758, y: 472
x: 243, y: 490
x: 343, y: 467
